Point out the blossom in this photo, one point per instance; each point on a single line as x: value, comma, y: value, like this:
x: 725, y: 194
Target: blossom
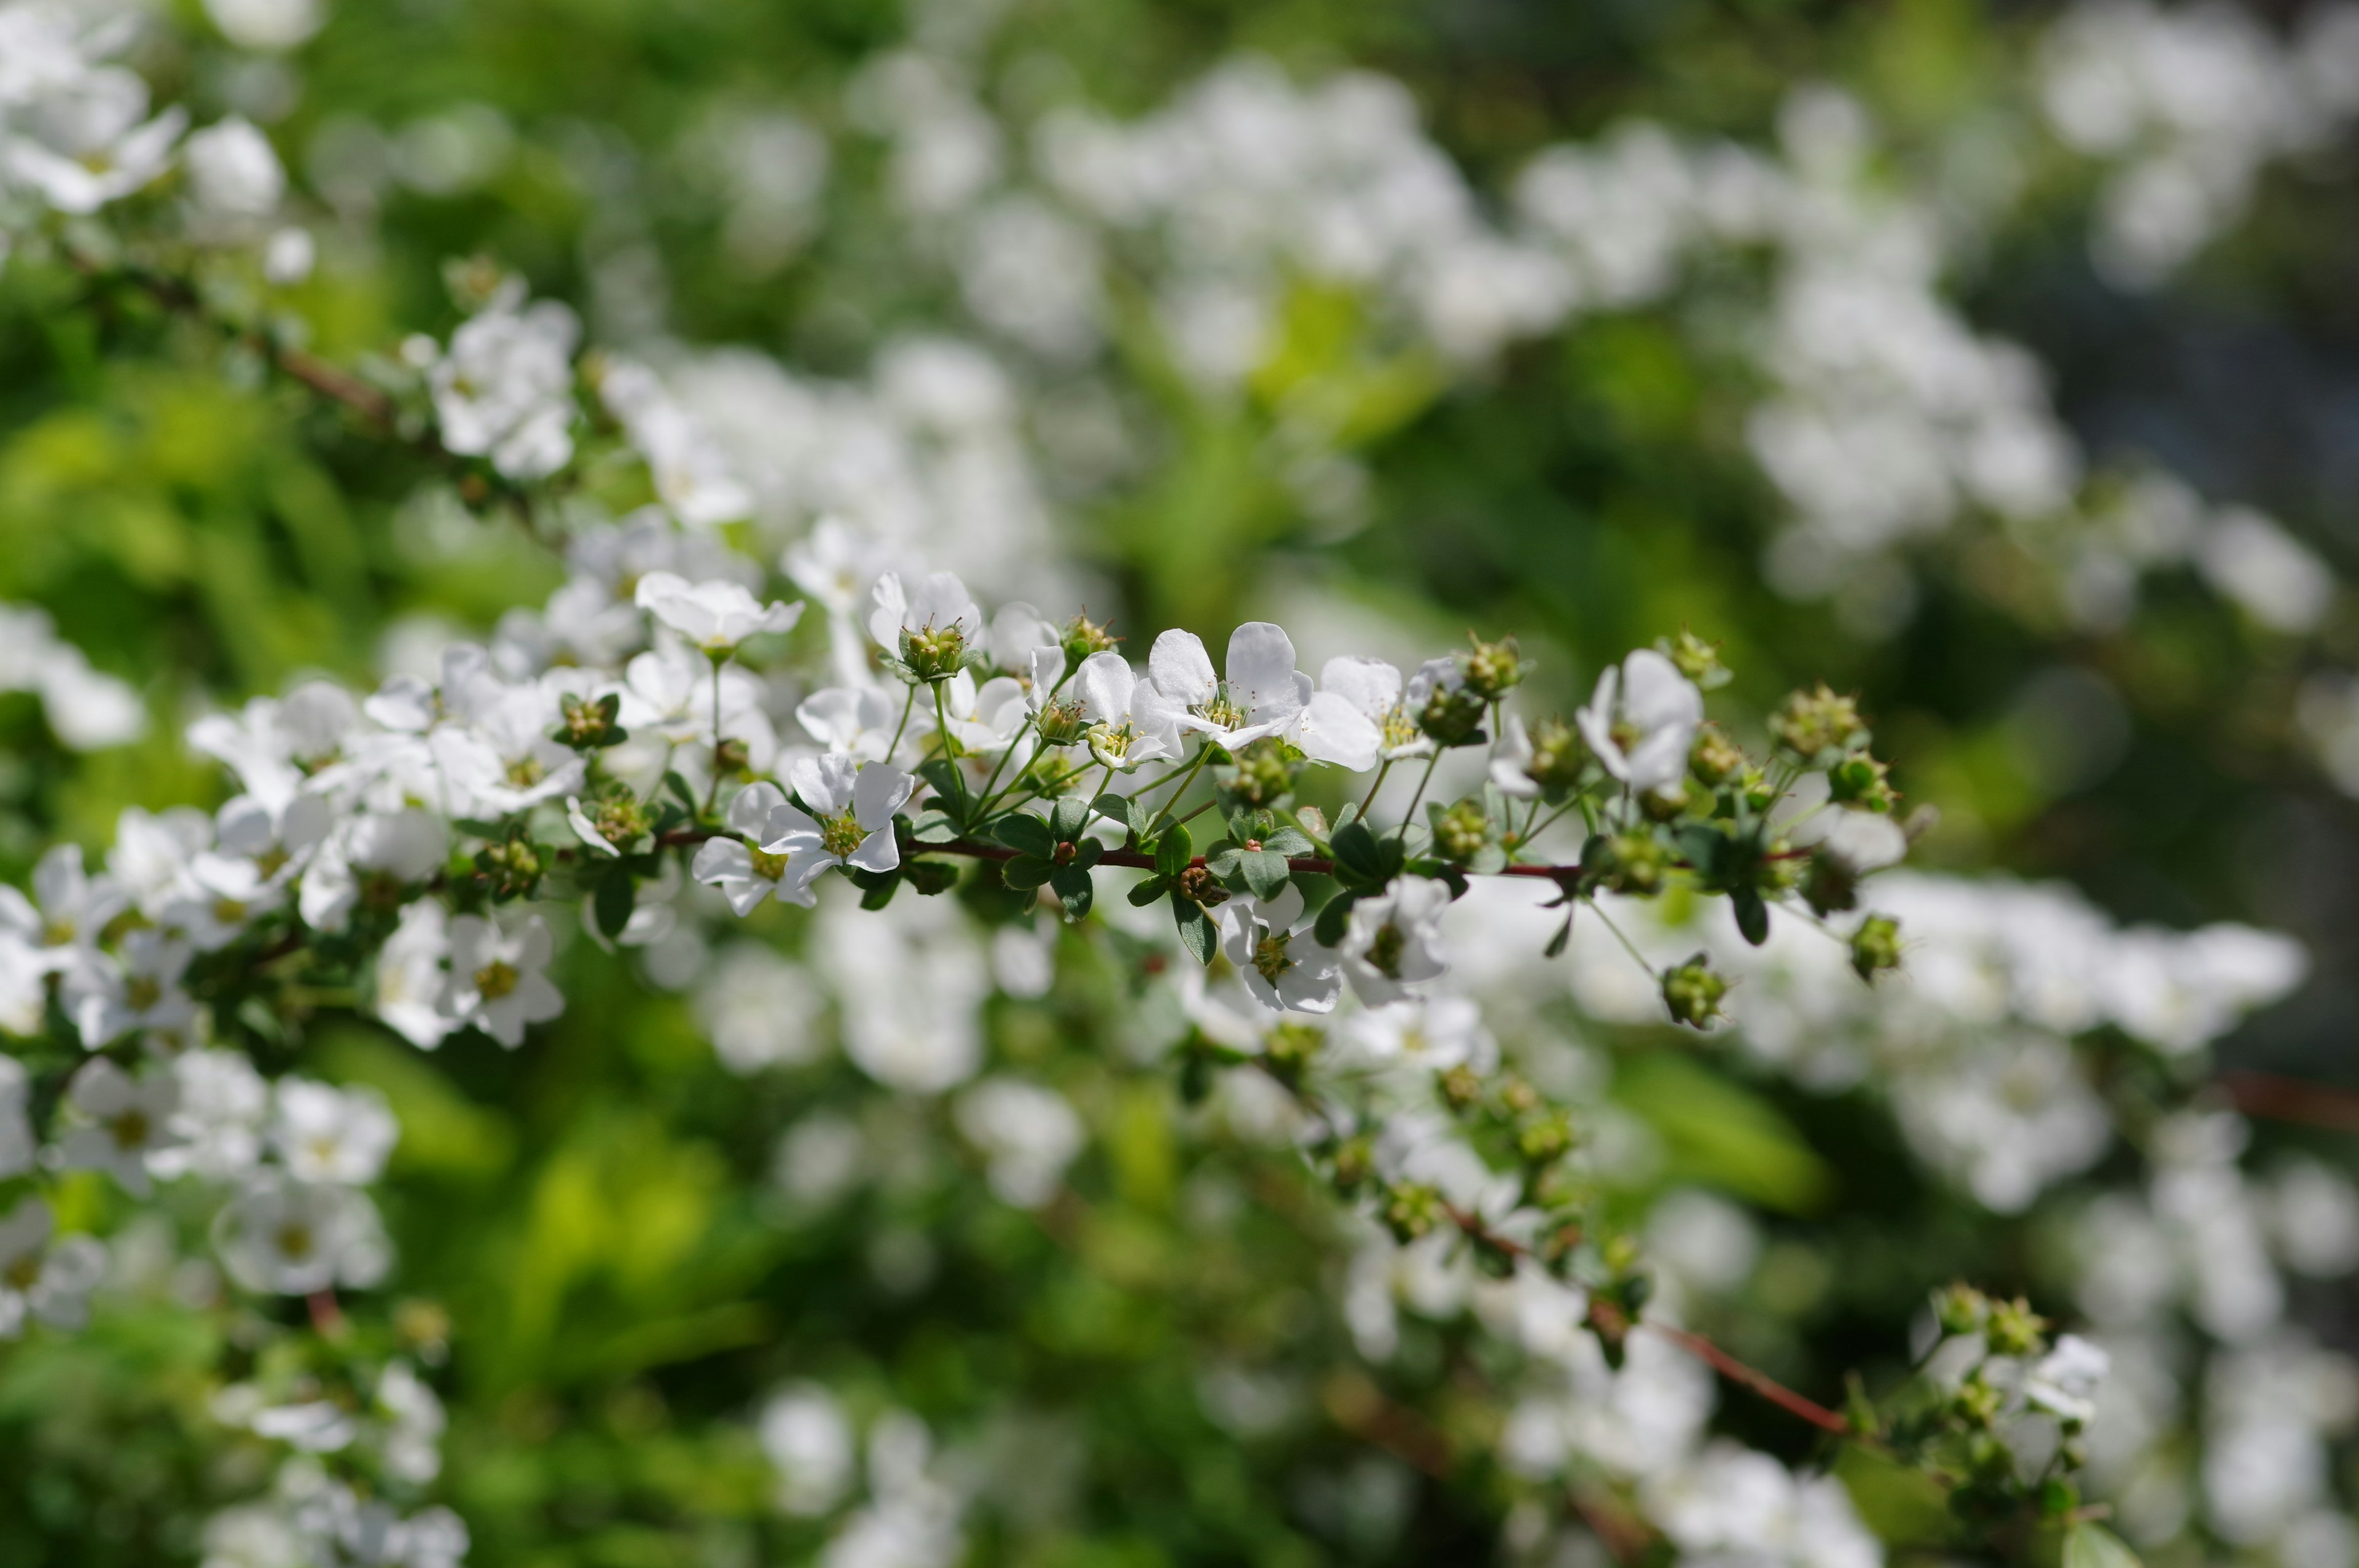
x: 1374, y: 688
x: 1263, y: 696
x: 850, y: 822
x: 2065, y: 1382
x: 504, y: 391
x: 1431, y: 1034
x: 1129, y: 723
x: 746, y: 875
x: 1642, y: 719
x: 1281, y: 963
x: 929, y: 630
x: 232, y: 172
x: 409, y: 979
x: 289, y: 1238
x: 38, y: 1280
x: 1394, y: 940
x: 988, y: 719
x: 217, y: 1127
x: 1029, y: 1133
x: 715, y: 617
x: 497, y: 981
x: 108, y: 999
x: 72, y: 908
x: 321, y: 1133
x: 858, y: 721
x: 98, y: 152
x: 129, y: 1119
x: 809, y: 1444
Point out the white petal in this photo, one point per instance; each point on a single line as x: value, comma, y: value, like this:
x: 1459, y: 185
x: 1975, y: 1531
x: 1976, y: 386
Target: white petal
x: 1261, y: 669
x: 1180, y: 668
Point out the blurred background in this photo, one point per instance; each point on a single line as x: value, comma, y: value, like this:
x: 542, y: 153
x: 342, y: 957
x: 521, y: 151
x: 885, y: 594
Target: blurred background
x: 1997, y: 361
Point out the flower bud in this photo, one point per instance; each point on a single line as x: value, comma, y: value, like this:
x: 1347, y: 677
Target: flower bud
x: 1627, y: 862
x: 586, y: 725
x: 1200, y: 886
x: 1696, y: 659
x: 1459, y: 833
x: 1411, y: 1210
x: 1861, y: 781
x: 1714, y: 759
x: 1060, y: 722
x: 1693, y: 992
x: 1831, y: 884
x: 1355, y: 1161
x: 1549, y: 1139
x: 1451, y: 714
x: 1959, y: 1309
x: 1262, y: 775
x: 1082, y: 637
x: 1814, y: 723
x: 514, y: 866
x: 1875, y: 946
x: 933, y: 652
x: 1460, y: 1087
x: 732, y: 756
x: 2013, y: 1328
x: 1976, y: 1403
x: 1556, y: 754
x: 1492, y: 669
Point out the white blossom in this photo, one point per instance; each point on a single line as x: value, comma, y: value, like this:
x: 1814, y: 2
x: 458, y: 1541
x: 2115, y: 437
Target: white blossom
x: 498, y: 981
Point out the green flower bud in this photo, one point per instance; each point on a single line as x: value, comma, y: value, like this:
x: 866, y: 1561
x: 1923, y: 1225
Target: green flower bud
x: 1411, y: 1210
x: 1814, y: 723
x: 1459, y: 833
x: 1060, y: 722
x: 1715, y: 759
x: 1860, y: 780
x: 1693, y: 992
x: 1451, y: 715
x: 1546, y: 1140
x: 1460, y: 1087
x: 1875, y: 946
x: 1829, y: 883
x: 1629, y: 862
x: 1558, y: 754
x: 1355, y: 1161
x: 585, y: 725
x: 514, y: 867
x: 1082, y: 637
x: 1263, y: 774
x: 1976, y: 1403
x: 933, y: 652
x: 1492, y: 669
x: 1961, y: 1309
x: 1696, y: 659
x: 2013, y: 1328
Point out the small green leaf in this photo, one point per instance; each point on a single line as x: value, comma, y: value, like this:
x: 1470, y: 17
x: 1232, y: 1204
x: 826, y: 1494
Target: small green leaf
x: 929, y: 877
x: 1363, y: 863
x: 618, y: 895
x: 1174, y: 850
x: 2094, y: 1546
x: 1115, y: 808
x: 943, y: 774
x: 1221, y: 860
x: 479, y: 828
x: 1563, y: 934
x: 934, y: 826
x: 1488, y: 862
x: 678, y: 787
x: 1075, y: 889
x: 1288, y: 842
x: 1026, y: 834
x: 1086, y: 853
x: 1069, y: 818
x: 1752, y: 915
x: 877, y: 887
x: 1334, y: 920
x: 1264, y: 872
x: 1026, y: 871
x: 1144, y: 894
x: 1197, y: 932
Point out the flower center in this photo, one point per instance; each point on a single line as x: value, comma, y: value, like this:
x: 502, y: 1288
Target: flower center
x: 130, y: 1129
x: 1386, y: 949
x: 24, y: 1273
x: 294, y: 1241
x: 1269, y: 955
x: 525, y: 772
x: 841, y: 835
x: 1399, y: 729
x: 767, y: 866
x: 142, y: 991
x: 496, y: 979
x: 229, y: 910
x: 1223, y: 710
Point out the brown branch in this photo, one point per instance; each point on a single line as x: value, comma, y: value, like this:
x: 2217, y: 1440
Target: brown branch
x: 1360, y: 1408
x: 1760, y: 1382
x: 2275, y: 1098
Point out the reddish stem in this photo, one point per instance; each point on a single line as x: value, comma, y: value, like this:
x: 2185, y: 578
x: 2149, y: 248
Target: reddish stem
x: 1760, y: 1382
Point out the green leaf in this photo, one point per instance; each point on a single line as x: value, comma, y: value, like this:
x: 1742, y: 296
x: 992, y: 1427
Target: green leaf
x: 1717, y: 1132
x: 1026, y: 834
x: 1345, y: 817
x: 1075, y: 889
x: 1365, y: 863
x: 2094, y: 1546
x: 1115, y: 808
x: 1221, y: 860
x: 877, y: 887
x: 1086, y: 853
x: 1752, y: 915
x: 1174, y: 850
x: 678, y: 787
x: 1197, y: 932
x: 1288, y: 842
x: 943, y: 774
x: 929, y: 877
x: 479, y: 827
x: 1563, y: 934
x: 1144, y: 894
x: 1334, y: 920
x: 1488, y: 862
x: 1264, y: 872
x: 616, y: 896
x: 1026, y: 871
x: 1069, y: 818
x: 934, y: 826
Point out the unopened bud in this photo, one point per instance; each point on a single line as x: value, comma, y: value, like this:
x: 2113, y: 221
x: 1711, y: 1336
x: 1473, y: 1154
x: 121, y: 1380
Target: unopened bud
x: 2013, y: 1328
x: 1262, y: 775
x: 587, y: 724
x: 1831, y: 884
x: 1714, y: 759
x: 732, y: 756
x: 1411, y: 1210
x: 1549, y: 1138
x: 1959, y: 1309
x: 1695, y: 658
x: 1875, y: 946
x: 1693, y: 992
x: 1355, y: 1161
x: 1061, y: 723
x: 1199, y: 885
x: 1492, y: 669
x: 1082, y: 637
x: 1861, y: 781
x: 1459, y: 1086
x: 1976, y: 1403
x: 1556, y: 754
x: 1451, y: 714
x: 1814, y: 723
x: 1459, y: 833
x: 1629, y: 862
x: 933, y: 652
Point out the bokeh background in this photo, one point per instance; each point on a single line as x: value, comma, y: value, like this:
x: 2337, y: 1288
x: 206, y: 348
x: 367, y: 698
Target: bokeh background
x: 1250, y: 349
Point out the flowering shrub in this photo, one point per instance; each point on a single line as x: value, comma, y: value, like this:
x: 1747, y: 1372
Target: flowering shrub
x: 1411, y: 1088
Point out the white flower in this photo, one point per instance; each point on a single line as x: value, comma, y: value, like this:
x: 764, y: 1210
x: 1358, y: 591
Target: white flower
x: 858, y: 721
x: 325, y: 1134
x: 497, y: 980
x: 73, y: 908
x: 2065, y: 1382
x: 218, y: 1123
x: 1127, y: 722
x: 757, y: 1009
x: 809, y: 1444
x: 288, y: 1237
x: 1263, y: 696
x: 37, y: 1279
x: 409, y: 979
x: 988, y: 719
x: 505, y: 389
x: 1281, y: 963
x: 714, y: 617
x: 413, y: 1436
x: 1373, y: 687
x: 217, y: 897
x: 130, y: 1119
x: 266, y: 25
x: 929, y: 630
x: 289, y: 255
x: 17, y: 1146
x: 1434, y: 1034
x: 308, y: 1426
x: 1511, y: 761
x: 745, y: 875
x: 232, y: 171
x: 850, y: 822
x: 1642, y: 721
x: 99, y: 155
x: 834, y: 564
x: 108, y: 999
x: 1394, y: 940
x: 1029, y: 1133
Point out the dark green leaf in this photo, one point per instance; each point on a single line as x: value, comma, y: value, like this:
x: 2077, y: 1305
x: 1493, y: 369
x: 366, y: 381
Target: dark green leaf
x: 1174, y: 850
x: 480, y: 828
x: 1363, y: 862
x: 1334, y: 920
x: 1147, y: 893
x: 678, y: 787
x: 929, y: 877
x: 934, y: 826
x: 1563, y: 934
x: 943, y: 774
x: 1288, y: 842
x: 1086, y: 853
x: 1075, y: 888
x: 1067, y: 817
x: 1197, y: 932
x: 1026, y: 834
x: 1752, y: 915
x: 1488, y: 862
x: 1221, y: 860
x: 1115, y: 808
x: 877, y: 887
x: 1027, y: 872
x: 616, y: 898
x: 1264, y: 872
